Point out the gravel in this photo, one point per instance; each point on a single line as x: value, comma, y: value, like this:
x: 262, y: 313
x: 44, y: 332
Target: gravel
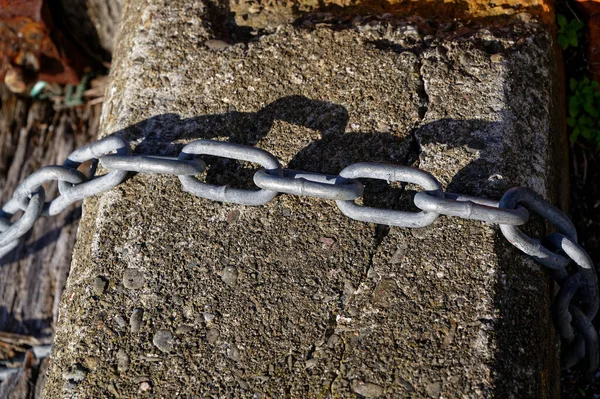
x: 123, y: 360
x: 367, y: 389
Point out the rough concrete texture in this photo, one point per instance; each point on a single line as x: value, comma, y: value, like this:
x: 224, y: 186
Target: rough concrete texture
x: 293, y: 299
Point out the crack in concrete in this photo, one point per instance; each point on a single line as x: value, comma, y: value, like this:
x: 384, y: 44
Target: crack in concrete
x: 413, y: 155
x: 421, y: 90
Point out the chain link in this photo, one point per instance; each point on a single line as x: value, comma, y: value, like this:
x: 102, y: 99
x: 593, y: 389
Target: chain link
x: 153, y: 164
x: 390, y: 173
x: 473, y: 208
x: 18, y: 229
x: 309, y: 184
x: 99, y: 184
x: 549, y: 212
x: 232, y: 151
x: 576, y: 302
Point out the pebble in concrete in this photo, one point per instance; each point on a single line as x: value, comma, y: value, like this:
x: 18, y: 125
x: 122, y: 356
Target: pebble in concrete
x: 73, y: 376
x: 99, y: 285
x: 216, y: 45
x: 184, y: 329
x: 367, y: 389
x: 208, y: 318
x: 229, y: 275
x: 75, y: 373
x: 120, y: 320
x: 69, y: 386
x: 135, y: 321
x: 434, y: 389
x: 145, y: 386
x: 123, y: 360
x: 163, y: 340
x: 133, y: 279
x: 212, y: 336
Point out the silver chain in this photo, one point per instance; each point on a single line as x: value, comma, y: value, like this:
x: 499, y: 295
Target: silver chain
x: 574, y: 307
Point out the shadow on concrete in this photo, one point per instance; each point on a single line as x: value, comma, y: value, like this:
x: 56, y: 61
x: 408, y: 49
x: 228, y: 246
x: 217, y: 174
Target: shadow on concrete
x: 336, y: 148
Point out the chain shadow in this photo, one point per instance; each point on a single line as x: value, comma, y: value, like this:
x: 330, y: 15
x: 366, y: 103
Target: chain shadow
x: 336, y: 148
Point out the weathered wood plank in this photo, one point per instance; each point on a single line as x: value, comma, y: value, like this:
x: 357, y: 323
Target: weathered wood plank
x: 32, y: 277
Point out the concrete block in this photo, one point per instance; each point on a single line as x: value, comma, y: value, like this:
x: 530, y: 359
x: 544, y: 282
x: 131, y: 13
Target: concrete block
x: 293, y: 299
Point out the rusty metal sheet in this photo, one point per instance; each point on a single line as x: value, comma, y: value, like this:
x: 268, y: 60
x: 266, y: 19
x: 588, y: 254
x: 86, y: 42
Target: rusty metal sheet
x: 28, y: 47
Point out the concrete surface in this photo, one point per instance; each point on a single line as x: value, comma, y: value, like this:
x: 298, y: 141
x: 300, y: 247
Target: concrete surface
x: 293, y: 299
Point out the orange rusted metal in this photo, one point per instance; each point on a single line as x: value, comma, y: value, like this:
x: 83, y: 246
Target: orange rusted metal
x: 29, y: 49
x: 21, y: 8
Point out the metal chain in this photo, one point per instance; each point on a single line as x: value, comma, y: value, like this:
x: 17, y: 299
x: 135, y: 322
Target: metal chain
x: 574, y: 308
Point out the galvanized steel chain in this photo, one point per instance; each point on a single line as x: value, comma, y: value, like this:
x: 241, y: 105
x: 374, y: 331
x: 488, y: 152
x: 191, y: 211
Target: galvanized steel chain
x: 574, y: 307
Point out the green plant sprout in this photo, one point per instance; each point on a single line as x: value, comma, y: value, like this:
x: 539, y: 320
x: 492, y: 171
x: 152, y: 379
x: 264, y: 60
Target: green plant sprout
x: 584, y: 111
x: 568, y: 31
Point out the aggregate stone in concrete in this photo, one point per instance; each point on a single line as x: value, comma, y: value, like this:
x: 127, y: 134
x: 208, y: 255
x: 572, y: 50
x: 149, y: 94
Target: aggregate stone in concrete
x: 293, y: 299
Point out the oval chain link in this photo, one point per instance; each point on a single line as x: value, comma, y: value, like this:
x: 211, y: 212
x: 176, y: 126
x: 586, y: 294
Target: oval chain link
x: 233, y: 151
x: 33, y: 182
x: 153, y: 164
x: 98, y: 184
x: 473, y: 208
x: 390, y: 173
x: 19, y: 228
x: 309, y: 184
x: 527, y: 244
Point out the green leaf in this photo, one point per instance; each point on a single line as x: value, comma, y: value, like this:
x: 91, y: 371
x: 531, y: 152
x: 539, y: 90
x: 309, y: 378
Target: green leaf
x: 576, y: 25
x: 571, y: 122
x: 572, y: 84
x: 595, y: 85
x: 590, y: 109
x: 573, y: 40
x: 574, y: 106
x: 562, y: 20
x: 563, y: 41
